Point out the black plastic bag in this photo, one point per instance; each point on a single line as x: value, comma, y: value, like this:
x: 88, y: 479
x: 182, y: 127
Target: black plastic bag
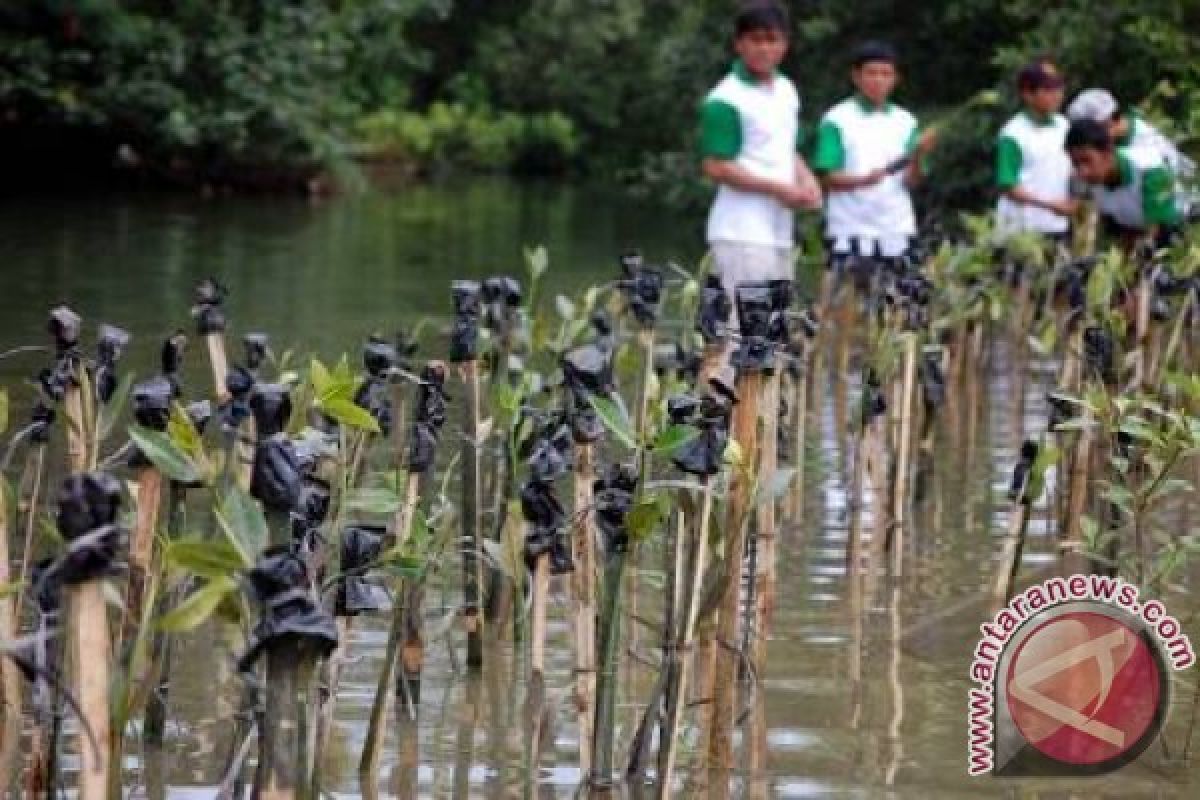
x: 613, y: 498
x: 171, y: 356
x: 1100, y: 355
x: 255, y: 347
x: 88, y: 504
x: 464, y: 336
x: 501, y: 298
x: 64, y: 327
x: 41, y: 421
x: 546, y: 517
x: 874, y: 401
x: 109, y: 348
x: 642, y: 287
x: 275, y: 479
x: 271, y: 404
x: 933, y: 381
x: 704, y: 454
x: 757, y: 320
x: 357, y: 594
x: 1018, y: 488
x: 374, y: 397
x: 207, y: 311
x: 290, y: 613
x: 714, y: 310
x: 152, y: 401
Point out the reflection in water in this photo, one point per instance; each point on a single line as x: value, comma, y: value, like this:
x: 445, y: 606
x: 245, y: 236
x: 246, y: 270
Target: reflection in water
x: 860, y: 690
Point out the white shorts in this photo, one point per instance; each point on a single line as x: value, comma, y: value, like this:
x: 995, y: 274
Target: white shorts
x: 738, y: 262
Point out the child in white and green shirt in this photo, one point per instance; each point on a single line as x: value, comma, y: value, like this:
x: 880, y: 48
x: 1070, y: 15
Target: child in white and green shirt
x: 869, y: 153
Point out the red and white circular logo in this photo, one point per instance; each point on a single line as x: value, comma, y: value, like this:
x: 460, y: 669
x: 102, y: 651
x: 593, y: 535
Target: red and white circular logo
x: 1087, y: 689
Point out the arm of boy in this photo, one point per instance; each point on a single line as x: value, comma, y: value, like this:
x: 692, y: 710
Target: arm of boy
x: 922, y: 147
x: 733, y: 174
x: 829, y: 160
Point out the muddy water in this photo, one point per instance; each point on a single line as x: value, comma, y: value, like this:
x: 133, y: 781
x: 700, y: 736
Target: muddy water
x: 864, y: 693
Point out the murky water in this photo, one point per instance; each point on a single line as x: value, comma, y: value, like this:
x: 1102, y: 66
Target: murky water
x: 852, y: 705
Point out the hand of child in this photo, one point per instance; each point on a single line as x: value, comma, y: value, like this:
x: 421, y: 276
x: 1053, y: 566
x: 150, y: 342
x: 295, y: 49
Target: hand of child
x: 926, y: 142
x: 799, y: 196
x: 1064, y: 208
x: 874, y: 177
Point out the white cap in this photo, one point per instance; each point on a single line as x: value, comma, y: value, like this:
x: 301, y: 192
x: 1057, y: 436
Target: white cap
x: 1094, y: 104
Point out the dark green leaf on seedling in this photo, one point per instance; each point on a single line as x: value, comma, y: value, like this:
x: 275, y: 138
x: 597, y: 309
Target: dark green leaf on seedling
x: 165, y: 454
x: 615, y: 419
x: 674, y: 437
x: 198, y: 607
x: 243, y: 522
x: 208, y: 558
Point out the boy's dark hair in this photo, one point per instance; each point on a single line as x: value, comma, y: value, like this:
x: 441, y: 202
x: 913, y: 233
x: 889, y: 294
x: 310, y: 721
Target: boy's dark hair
x: 762, y: 15
x: 1088, y: 133
x: 873, y: 51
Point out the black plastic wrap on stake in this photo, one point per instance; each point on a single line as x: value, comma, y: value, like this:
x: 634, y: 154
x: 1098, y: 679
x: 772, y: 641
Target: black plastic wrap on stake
x: 239, y: 383
x: 171, y: 358
x: 643, y: 289
x: 549, y: 458
x: 41, y: 420
x: 759, y: 322
x: 714, y: 310
x: 675, y: 359
x: 378, y: 358
x: 681, y: 408
x: 374, y: 394
x: 64, y: 326
x: 271, y: 404
x: 356, y: 592
x: 151, y: 402
x: 1062, y: 411
x: 255, y: 347
x: 290, y: 612
x: 406, y: 350
x: 1100, y: 354
x: 933, y: 381
x: 703, y: 455
x: 1018, y: 489
x: 88, y: 504
x: 110, y: 346
x: 429, y: 415
x: 613, y: 492
x: 464, y: 336
x: 207, y: 308
x: 587, y: 372
x: 276, y: 479
x: 874, y: 400
x: 312, y: 509
x: 501, y: 298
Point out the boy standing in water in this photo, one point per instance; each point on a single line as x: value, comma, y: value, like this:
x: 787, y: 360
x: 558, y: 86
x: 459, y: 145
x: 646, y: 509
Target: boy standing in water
x: 1033, y: 172
x: 869, y: 154
x: 749, y: 140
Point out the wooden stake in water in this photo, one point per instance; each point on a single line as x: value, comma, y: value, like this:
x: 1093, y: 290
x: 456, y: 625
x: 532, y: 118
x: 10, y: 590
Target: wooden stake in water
x: 141, y: 544
x: 472, y: 562
x: 583, y: 584
x: 10, y: 687
x: 900, y: 501
x: 745, y: 433
x: 88, y: 624
x: 537, y: 660
x: 764, y: 579
x: 678, y: 692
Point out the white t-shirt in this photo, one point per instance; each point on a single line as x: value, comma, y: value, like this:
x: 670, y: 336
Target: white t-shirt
x: 1045, y: 171
x: 768, y: 118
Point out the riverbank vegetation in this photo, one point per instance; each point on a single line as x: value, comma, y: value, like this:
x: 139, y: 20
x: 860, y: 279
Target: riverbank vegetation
x: 276, y: 94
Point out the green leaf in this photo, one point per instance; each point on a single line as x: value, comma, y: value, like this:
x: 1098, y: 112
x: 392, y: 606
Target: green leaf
x: 3, y: 410
x: 564, y: 307
x: 614, y: 418
x: 184, y: 434
x: 208, y: 558
x: 673, y: 438
x: 348, y: 413
x: 245, y: 525
x: 645, y: 518
x: 328, y: 387
x: 165, y: 454
x: 198, y: 607
x: 538, y: 260
x: 373, y: 501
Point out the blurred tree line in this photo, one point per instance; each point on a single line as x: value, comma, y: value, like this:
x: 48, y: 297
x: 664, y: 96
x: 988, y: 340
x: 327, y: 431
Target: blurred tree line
x: 248, y: 91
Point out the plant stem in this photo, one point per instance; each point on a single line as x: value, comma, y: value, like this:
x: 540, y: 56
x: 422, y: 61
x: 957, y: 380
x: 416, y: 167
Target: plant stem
x: 471, y: 521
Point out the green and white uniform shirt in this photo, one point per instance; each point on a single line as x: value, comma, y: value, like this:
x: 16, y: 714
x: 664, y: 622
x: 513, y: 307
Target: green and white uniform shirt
x: 1144, y: 194
x: 1030, y: 154
x: 1144, y: 136
x: 857, y: 137
x: 756, y: 124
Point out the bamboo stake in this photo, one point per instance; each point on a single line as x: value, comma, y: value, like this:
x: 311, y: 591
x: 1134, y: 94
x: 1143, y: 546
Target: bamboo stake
x: 472, y: 524
x: 799, y: 423
x: 678, y: 692
x: 900, y: 501
x: 1073, y: 560
x: 1010, y: 559
x: 373, y: 744
x: 536, y: 696
x: 583, y: 584
x: 745, y: 432
x: 89, y: 637
x: 141, y: 545
x: 10, y: 687
x: 764, y: 590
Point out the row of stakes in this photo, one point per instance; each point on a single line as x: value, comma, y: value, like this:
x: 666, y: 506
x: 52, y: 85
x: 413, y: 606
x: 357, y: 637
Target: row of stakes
x: 753, y: 387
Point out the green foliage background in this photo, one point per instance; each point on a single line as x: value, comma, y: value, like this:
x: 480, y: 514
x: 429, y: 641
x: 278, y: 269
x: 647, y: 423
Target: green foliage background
x: 234, y: 90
